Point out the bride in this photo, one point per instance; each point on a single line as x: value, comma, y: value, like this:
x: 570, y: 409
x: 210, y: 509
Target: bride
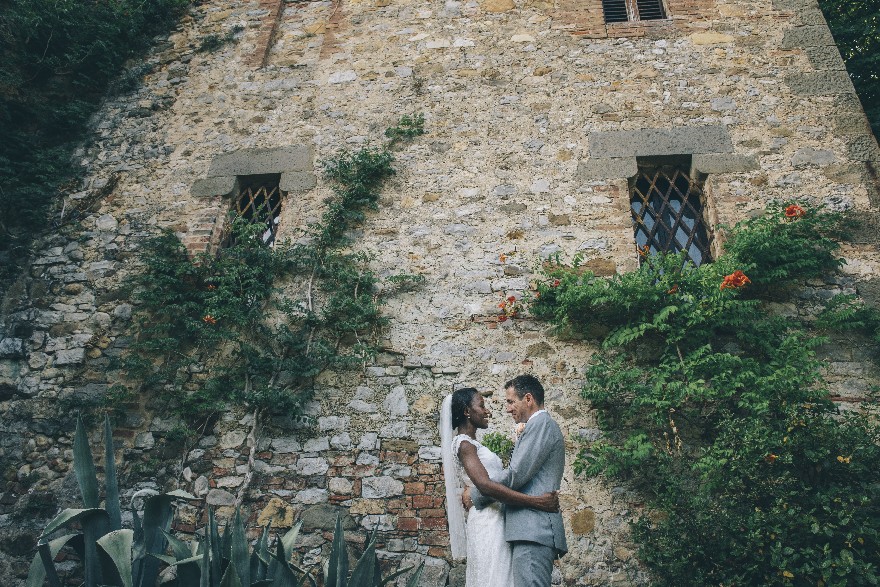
x: 466, y: 461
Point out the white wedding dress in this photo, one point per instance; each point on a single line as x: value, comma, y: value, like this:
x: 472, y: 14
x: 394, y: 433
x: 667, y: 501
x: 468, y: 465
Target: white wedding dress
x: 488, y: 553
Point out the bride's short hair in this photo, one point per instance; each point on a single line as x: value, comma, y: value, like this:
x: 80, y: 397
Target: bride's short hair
x: 461, y: 399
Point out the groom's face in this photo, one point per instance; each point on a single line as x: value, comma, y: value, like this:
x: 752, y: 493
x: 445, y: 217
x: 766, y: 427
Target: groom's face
x: 517, y: 407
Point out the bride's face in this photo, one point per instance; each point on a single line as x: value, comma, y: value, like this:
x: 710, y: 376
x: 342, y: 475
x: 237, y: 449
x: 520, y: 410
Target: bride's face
x: 478, y: 412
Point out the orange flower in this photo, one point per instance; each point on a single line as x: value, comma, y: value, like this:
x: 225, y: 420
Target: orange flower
x: 643, y: 251
x: 672, y: 290
x: 502, y: 258
x: 735, y: 280
x: 208, y: 319
x: 502, y: 305
x: 211, y: 287
x: 794, y: 211
x: 511, y: 299
x: 771, y: 458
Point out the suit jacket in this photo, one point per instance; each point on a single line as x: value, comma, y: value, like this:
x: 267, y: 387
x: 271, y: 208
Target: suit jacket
x: 535, y: 468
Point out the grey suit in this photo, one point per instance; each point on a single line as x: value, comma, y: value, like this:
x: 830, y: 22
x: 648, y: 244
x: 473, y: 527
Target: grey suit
x: 535, y: 468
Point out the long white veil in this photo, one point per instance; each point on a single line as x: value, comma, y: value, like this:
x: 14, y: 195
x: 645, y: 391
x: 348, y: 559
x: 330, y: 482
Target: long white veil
x: 454, y: 509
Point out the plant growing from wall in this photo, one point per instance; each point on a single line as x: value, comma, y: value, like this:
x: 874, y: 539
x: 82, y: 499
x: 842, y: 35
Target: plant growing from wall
x: 715, y: 410
x: 219, y: 330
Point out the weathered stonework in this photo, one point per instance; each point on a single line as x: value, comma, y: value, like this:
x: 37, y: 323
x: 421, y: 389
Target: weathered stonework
x: 535, y: 112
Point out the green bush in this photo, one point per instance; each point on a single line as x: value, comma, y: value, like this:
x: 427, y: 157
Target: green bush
x: 715, y: 410
x: 500, y: 444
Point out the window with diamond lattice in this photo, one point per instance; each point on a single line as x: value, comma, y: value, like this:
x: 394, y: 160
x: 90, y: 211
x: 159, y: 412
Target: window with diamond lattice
x: 259, y: 201
x: 667, y: 213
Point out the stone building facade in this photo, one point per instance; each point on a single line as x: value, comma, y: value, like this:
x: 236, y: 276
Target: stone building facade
x: 537, y: 114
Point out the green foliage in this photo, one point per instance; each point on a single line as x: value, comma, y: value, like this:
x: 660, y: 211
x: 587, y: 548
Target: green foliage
x: 406, y: 128
x: 855, y: 25
x: 111, y: 555
x: 500, y: 444
x: 57, y: 60
x: 846, y: 312
x: 218, y: 330
x: 777, y: 251
x: 214, y: 42
x: 715, y: 410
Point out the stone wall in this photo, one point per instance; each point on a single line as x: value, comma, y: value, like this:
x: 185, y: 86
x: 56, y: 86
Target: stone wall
x: 535, y: 112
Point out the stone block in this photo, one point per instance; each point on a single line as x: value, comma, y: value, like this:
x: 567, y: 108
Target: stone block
x: 795, y: 5
x: 726, y: 163
x: 222, y: 185
x: 11, y: 348
x: 261, y: 161
x: 70, y: 357
x: 808, y: 156
x: 323, y: 517
x: 710, y: 38
x: 811, y: 17
x: 583, y: 522
x: 277, y: 513
x: 220, y: 497
x: 825, y: 57
x: 606, y: 168
x: 822, y: 83
x: 312, y: 495
x: 807, y: 36
x: 378, y: 487
x: 297, y: 181
x: 863, y: 148
x: 851, y: 123
x: 661, y: 141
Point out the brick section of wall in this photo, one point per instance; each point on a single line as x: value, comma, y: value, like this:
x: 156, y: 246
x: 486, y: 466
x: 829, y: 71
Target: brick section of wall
x: 204, y: 230
x: 587, y: 19
x: 266, y: 34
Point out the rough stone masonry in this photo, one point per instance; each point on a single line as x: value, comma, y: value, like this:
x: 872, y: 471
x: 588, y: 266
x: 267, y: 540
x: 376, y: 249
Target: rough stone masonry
x: 537, y: 113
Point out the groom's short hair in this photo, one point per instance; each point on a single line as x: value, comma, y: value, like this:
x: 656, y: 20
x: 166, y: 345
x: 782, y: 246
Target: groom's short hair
x: 523, y: 384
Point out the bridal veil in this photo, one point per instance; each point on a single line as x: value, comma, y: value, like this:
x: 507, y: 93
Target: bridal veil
x: 454, y: 509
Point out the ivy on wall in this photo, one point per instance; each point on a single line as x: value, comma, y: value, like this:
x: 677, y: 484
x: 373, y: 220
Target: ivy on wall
x: 254, y: 325
x: 714, y: 408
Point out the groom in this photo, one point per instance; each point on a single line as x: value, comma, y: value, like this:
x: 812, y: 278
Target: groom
x: 536, y: 467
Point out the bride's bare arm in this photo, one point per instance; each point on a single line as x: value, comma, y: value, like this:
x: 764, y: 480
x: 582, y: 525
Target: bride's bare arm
x: 467, y: 454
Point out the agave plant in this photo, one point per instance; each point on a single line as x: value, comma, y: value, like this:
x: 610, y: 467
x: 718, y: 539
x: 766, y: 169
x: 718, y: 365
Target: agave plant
x: 110, y: 554
x: 121, y: 557
x: 366, y: 571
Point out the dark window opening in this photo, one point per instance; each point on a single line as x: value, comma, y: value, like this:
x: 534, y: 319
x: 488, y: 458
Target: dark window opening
x: 667, y: 210
x: 632, y: 10
x: 259, y: 202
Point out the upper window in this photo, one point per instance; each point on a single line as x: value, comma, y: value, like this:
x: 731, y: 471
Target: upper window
x: 630, y: 10
x: 667, y: 210
x: 259, y: 201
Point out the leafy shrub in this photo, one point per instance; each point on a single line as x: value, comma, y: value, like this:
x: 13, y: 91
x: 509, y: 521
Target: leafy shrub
x: 500, y: 444
x: 716, y: 411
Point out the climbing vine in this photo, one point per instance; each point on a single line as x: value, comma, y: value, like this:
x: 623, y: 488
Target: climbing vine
x: 713, y: 407
x: 254, y: 325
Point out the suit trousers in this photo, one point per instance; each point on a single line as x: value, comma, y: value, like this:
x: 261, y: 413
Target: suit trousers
x: 532, y: 564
